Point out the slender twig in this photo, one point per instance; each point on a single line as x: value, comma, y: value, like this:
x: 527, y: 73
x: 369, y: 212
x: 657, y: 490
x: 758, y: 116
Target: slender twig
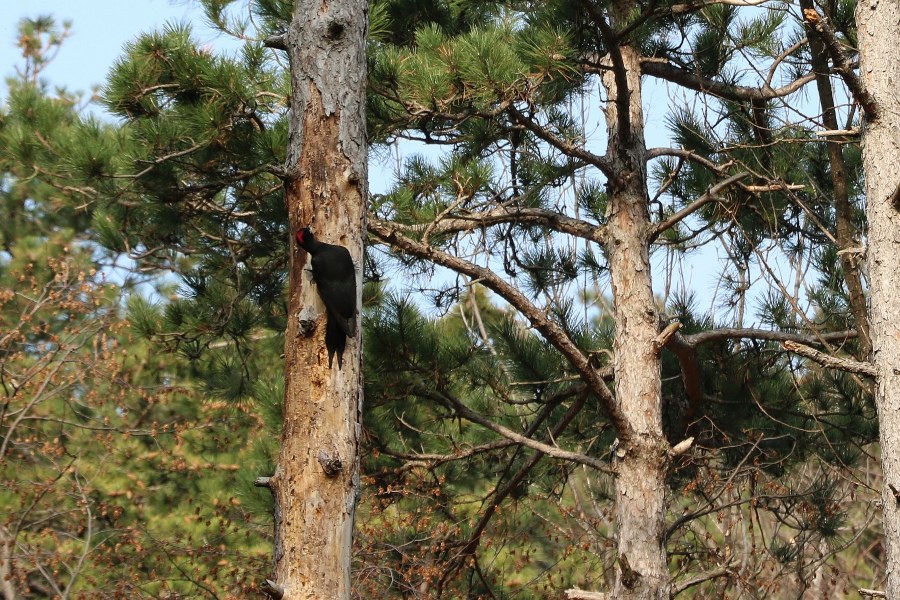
x: 709, y: 196
x: 681, y: 586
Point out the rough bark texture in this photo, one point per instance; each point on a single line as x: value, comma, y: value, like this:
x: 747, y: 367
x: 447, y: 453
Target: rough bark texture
x: 641, y: 457
x: 317, y: 479
x: 878, y: 22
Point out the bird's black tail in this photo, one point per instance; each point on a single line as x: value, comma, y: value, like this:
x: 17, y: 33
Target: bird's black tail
x: 335, y: 340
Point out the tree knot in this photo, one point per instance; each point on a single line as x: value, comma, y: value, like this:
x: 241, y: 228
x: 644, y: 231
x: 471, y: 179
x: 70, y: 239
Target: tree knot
x: 331, y: 464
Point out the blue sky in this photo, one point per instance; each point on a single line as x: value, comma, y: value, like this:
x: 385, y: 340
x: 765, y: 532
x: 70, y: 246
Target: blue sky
x: 100, y: 28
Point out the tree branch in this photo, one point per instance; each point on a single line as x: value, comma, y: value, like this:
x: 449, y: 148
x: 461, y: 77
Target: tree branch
x: 431, y: 460
x: 662, y: 69
x: 514, y: 482
x: 691, y: 379
x: 681, y: 586
x: 553, y: 333
x: 576, y: 594
x: 822, y: 26
x: 470, y: 415
x: 697, y: 5
x: 709, y: 196
x: 831, y: 362
x: 529, y: 216
x: 725, y: 333
x: 278, y: 42
x: 562, y: 145
x: 688, y: 155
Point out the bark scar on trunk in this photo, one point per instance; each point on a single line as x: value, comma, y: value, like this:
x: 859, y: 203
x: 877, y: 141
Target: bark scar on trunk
x: 629, y: 576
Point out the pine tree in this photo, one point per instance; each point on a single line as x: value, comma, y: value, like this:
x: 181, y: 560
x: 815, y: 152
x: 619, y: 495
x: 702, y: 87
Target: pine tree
x: 498, y: 87
x: 221, y: 159
x: 668, y: 441
x: 102, y: 436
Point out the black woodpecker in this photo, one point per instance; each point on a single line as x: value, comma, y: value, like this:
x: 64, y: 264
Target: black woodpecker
x: 335, y: 278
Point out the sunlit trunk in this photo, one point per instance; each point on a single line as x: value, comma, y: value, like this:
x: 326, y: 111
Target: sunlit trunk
x: 878, y: 23
x: 317, y: 479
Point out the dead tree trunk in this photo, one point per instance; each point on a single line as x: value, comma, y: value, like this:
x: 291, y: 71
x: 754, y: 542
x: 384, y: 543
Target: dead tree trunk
x: 317, y: 479
x: 878, y: 23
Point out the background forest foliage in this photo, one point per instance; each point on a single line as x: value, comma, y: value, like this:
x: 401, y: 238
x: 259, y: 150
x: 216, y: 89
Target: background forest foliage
x: 143, y: 266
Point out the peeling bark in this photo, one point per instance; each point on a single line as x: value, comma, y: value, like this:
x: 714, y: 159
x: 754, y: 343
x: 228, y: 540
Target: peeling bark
x: 325, y: 188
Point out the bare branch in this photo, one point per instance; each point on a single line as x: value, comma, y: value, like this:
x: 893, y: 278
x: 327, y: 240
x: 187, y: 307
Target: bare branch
x: 662, y: 69
x: 429, y: 460
x: 681, y: 586
x: 278, y: 42
x: 466, y: 413
x: 725, y: 333
x: 690, y: 375
x: 391, y: 234
x: 576, y: 594
x: 681, y: 447
x: 694, y: 6
x: 527, y: 216
x: 831, y: 362
x: 846, y: 135
x: 560, y: 144
x: 688, y: 155
x: 514, y: 482
x: 709, y: 196
x: 272, y: 589
x: 663, y: 338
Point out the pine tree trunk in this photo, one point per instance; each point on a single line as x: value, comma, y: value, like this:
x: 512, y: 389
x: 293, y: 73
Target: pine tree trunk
x: 317, y: 479
x: 878, y: 23
x: 641, y: 457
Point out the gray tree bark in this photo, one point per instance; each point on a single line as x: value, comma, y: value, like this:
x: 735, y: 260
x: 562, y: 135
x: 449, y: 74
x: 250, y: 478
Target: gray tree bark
x: 878, y: 23
x: 317, y: 479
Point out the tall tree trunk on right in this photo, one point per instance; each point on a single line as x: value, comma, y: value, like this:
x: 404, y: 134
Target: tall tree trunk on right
x: 878, y: 23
